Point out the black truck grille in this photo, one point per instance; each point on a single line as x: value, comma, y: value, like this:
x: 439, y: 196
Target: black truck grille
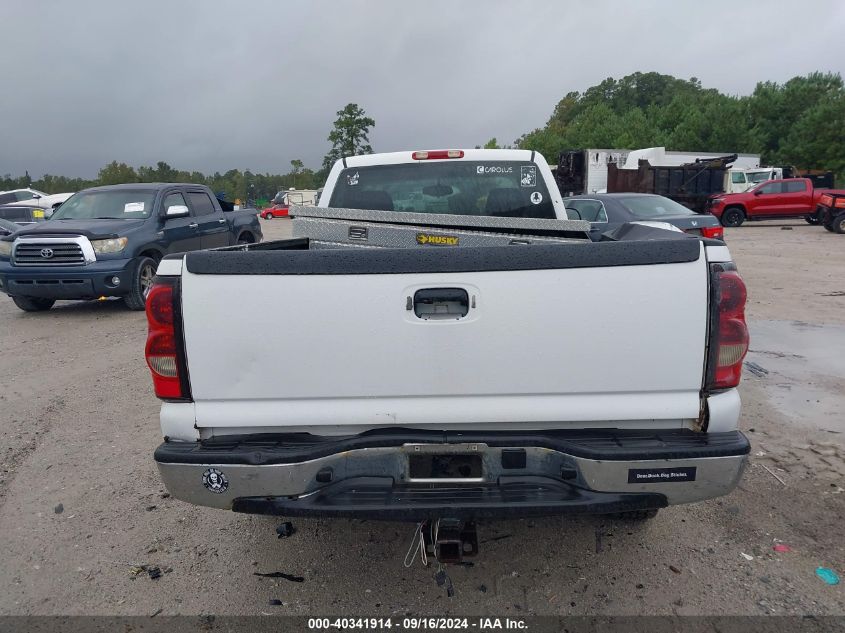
x: 49, y: 253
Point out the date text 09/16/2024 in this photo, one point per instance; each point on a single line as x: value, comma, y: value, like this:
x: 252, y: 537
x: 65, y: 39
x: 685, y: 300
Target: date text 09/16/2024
x: 418, y: 624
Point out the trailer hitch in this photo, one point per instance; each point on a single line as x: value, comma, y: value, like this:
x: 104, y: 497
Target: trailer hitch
x: 450, y: 540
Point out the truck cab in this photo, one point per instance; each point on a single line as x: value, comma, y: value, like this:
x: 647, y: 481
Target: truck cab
x: 107, y: 242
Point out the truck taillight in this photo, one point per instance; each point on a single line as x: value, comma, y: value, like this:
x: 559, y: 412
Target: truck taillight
x: 716, y: 232
x: 826, y: 200
x: 840, y: 203
x: 163, y: 349
x: 728, y: 330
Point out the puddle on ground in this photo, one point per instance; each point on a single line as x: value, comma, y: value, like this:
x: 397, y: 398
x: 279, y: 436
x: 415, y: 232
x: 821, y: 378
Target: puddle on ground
x: 806, y: 370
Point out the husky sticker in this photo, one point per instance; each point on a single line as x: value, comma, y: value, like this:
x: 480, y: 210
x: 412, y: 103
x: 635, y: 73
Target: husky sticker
x: 426, y: 239
x: 352, y: 179
x: 528, y: 176
x: 215, y: 481
x: 536, y: 197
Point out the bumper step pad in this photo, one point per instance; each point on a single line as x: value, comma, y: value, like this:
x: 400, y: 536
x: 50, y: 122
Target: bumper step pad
x: 379, y: 498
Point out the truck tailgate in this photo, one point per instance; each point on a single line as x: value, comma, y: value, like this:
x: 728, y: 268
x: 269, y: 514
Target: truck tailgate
x: 582, y: 335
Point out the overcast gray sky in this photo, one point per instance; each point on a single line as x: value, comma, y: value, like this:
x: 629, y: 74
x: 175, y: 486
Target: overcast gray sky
x: 212, y: 85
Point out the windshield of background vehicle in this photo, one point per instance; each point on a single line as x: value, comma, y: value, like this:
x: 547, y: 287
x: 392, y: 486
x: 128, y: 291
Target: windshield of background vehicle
x: 117, y: 205
x: 654, y: 206
x: 759, y: 176
x: 495, y: 188
x: 20, y: 214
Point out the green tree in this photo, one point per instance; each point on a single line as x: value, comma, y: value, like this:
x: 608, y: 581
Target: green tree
x: 544, y: 140
x: 774, y: 109
x: 116, y: 173
x: 296, y: 168
x: 350, y: 135
x: 799, y: 122
x: 636, y: 130
x: 811, y: 142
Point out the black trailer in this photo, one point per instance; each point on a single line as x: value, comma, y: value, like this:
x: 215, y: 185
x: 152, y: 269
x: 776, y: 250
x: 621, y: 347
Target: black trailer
x: 690, y: 184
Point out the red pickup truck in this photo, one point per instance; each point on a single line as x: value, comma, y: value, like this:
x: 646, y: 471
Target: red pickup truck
x: 770, y: 200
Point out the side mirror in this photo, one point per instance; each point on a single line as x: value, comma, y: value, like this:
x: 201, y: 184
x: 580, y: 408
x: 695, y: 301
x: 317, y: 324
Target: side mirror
x: 176, y: 211
x: 757, y: 192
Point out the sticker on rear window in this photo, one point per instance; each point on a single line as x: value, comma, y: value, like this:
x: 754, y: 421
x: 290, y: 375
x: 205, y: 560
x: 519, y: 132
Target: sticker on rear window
x: 493, y: 169
x: 352, y: 179
x: 660, y: 475
x: 427, y: 239
x: 528, y: 176
x: 536, y: 197
x: 133, y: 207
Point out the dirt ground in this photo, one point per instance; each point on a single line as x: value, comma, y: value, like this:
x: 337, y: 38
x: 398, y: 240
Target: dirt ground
x: 81, y: 502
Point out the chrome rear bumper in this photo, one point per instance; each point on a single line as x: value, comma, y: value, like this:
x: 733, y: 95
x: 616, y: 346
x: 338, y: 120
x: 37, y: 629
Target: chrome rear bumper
x: 361, y: 477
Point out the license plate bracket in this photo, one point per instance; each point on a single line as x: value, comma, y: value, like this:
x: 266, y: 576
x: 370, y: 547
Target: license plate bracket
x: 439, y: 467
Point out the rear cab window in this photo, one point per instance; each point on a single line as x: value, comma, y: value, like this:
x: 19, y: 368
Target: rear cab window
x: 794, y: 186
x: 201, y: 203
x: 459, y: 187
x: 589, y: 210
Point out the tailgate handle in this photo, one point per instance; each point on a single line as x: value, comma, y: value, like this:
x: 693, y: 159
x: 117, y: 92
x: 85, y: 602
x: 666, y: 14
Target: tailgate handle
x: 441, y: 304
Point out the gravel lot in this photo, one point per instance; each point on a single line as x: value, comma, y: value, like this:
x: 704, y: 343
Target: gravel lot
x: 81, y: 502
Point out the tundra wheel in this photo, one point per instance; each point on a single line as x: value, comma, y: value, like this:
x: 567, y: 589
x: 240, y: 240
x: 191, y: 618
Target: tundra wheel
x: 839, y: 223
x: 269, y: 216
x: 33, y: 304
x: 142, y: 283
x: 733, y: 217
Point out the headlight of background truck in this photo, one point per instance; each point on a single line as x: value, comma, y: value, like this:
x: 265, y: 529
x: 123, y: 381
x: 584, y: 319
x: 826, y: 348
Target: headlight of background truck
x: 5, y: 249
x: 114, y: 245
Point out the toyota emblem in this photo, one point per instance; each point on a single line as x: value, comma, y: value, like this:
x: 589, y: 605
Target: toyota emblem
x: 46, y: 253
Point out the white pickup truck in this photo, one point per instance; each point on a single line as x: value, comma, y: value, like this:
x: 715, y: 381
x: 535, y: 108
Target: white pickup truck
x: 444, y: 381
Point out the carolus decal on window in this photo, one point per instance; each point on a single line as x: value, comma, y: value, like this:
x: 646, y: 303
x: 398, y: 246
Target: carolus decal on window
x: 493, y: 169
